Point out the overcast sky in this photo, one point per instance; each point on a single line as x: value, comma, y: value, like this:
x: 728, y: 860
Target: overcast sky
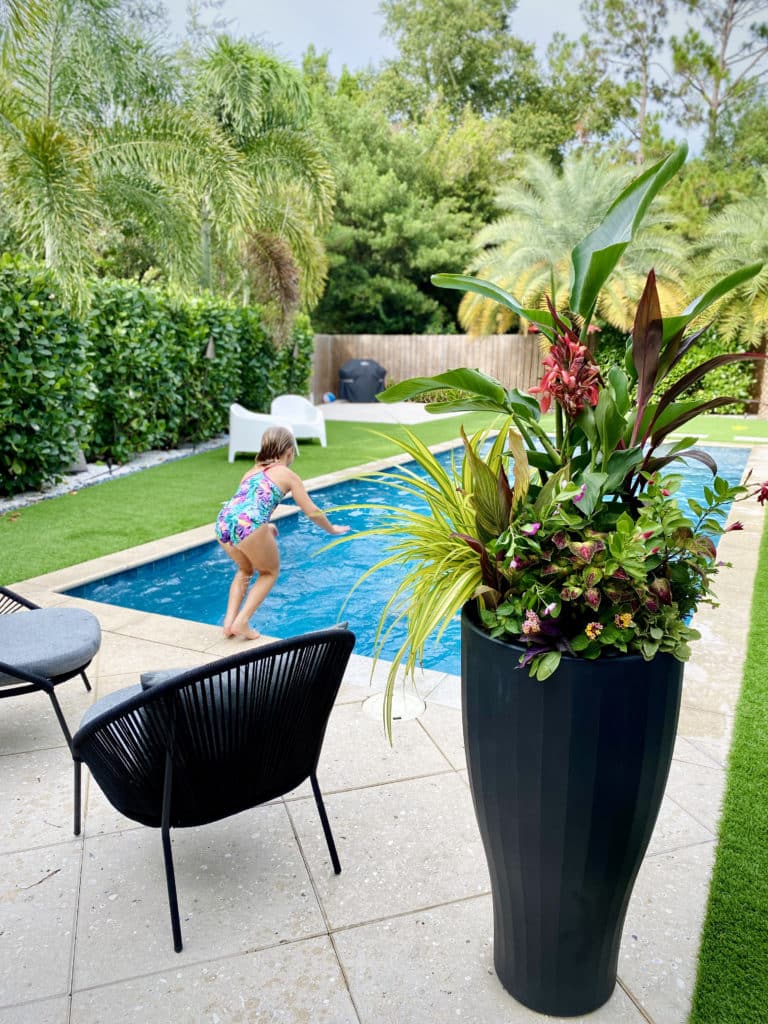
x: 350, y: 29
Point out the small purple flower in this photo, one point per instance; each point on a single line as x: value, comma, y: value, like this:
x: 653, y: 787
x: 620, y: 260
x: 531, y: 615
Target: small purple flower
x: 530, y: 529
x: 578, y: 496
x: 550, y: 608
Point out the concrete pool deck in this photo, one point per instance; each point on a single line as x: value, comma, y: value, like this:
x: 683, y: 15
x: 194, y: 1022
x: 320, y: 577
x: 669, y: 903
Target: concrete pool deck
x: 404, y: 934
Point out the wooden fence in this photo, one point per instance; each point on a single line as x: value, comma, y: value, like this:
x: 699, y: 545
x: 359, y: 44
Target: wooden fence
x: 514, y: 359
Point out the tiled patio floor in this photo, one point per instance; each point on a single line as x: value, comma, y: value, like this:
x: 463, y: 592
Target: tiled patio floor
x: 402, y: 936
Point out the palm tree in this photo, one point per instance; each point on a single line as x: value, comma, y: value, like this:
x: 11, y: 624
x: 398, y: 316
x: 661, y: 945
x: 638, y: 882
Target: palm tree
x: 263, y: 108
x: 738, y: 235
x: 89, y: 131
x: 527, y: 251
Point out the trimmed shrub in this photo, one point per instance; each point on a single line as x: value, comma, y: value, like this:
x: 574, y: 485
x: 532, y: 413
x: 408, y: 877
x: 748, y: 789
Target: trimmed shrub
x: 147, y: 369
x: 44, y: 380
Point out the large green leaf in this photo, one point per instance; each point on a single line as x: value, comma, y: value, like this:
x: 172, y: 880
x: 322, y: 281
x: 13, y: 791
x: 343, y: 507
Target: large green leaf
x: 481, y: 392
x: 471, y: 381
x: 594, y: 258
x: 463, y: 283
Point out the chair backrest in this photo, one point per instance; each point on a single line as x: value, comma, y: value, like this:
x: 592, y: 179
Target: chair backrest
x: 10, y: 601
x: 237, y: 732
x: 294, y: 408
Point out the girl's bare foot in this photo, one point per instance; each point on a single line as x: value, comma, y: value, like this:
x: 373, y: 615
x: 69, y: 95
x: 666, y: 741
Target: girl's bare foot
x: 242, y: 632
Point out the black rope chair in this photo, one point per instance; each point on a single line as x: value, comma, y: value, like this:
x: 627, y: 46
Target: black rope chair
x: 41, y: 650
x: 216, y: 740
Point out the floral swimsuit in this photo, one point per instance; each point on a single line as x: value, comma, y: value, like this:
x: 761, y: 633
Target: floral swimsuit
x: 256, y: 499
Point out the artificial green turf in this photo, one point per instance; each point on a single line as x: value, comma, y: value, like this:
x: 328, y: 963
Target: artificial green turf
x: 732, y: 981
x: 176, y: 496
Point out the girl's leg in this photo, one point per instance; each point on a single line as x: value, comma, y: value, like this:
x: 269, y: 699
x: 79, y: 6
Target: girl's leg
x: 238, y: 587
x: 260, y: 548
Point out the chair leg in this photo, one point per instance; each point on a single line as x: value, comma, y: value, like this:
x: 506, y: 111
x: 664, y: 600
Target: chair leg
x: 85, y: 680
x: 326, y: 825
x: 61, y: 718
x: 170, y: 876
x: 78, y: 781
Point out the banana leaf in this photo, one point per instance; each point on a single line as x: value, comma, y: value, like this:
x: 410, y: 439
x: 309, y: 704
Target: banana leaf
x: 595, y: 257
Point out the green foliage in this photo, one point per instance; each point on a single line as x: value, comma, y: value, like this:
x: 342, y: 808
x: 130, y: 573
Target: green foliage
x: 134, y: 375
x: 43, y: 379
x: 397, y: 217
x: 155, y: 385
x: 457, y: 53
x: 736, y: 379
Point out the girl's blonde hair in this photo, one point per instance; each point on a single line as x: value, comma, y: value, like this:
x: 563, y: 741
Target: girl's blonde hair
x: 275, y: 442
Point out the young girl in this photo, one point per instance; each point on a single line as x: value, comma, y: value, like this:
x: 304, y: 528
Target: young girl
x: 244, y: 531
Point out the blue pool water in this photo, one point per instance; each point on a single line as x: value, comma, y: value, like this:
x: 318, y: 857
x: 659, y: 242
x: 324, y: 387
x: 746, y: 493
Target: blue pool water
x: 313, y: 584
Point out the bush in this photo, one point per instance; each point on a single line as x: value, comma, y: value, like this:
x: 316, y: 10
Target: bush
x: 44, y: 380
x: 734, y: 379
x: 133, y: 376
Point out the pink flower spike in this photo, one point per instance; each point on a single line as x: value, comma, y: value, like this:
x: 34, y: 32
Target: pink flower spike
x: 665, y: 492
x: 734, y: 526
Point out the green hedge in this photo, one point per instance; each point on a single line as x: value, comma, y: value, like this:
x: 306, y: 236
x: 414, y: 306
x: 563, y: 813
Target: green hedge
x: 44, y: 380
x: 133, y: 376
x: 733, y: 379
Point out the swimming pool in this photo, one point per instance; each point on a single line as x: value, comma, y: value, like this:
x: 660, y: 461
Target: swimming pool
x: 313, y: 584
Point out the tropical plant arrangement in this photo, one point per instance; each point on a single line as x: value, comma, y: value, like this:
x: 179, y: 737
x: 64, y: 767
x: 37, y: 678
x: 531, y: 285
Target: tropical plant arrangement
x: 582, y: 547
x: 567, y: 549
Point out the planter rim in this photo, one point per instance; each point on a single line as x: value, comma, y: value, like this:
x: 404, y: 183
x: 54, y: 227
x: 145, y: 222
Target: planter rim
x: 470, y: 618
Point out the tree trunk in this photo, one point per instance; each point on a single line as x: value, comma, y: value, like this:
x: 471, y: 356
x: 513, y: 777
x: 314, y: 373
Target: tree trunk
x: 762, y: 384
x: 206, y: 259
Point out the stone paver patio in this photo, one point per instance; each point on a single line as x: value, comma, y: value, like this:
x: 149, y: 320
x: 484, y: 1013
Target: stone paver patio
x: 403, y: 935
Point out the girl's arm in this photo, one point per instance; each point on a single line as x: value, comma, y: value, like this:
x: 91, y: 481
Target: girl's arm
x: 295, y: 485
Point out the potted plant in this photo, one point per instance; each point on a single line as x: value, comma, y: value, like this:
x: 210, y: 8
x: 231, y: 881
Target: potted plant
x: 576, y: 570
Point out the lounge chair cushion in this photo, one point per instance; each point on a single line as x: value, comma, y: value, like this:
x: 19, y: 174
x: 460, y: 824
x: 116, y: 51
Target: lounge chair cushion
x: 159, y: 675
x: 111, y: 700
x: 48, y: 641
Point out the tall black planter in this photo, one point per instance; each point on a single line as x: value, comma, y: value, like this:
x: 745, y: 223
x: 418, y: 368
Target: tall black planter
x: 567, y: 778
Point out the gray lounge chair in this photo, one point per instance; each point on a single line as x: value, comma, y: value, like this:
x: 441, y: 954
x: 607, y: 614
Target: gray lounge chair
x: 42, y: 647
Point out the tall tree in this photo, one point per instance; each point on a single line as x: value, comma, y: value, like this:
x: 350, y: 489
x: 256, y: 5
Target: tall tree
x: 89, y: 131
x: 263, y: 108
x: 398, y: 217
x: 455, y: 52
x: 546, y: 213
x: 632, y: 35
x: 719, y: 65
x: 739, y: 234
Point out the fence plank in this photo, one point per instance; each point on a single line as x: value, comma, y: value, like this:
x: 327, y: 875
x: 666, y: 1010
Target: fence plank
x: 514, y: 359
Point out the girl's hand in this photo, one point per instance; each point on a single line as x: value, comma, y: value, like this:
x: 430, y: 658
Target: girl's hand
x: 340, y: 529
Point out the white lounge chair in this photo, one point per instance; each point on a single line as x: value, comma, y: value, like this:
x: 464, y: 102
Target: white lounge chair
x: 306, y: 420
x: 246, y: 429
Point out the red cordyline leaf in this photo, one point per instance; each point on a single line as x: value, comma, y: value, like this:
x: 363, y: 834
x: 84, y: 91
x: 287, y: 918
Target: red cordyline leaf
x: 647, y: 334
